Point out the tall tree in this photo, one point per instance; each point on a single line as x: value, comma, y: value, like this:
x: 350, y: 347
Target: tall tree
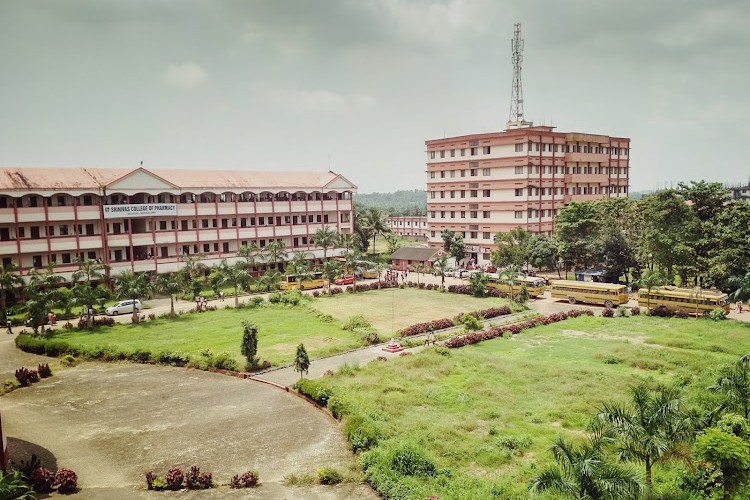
x: 650, y: 280
x: 325, y: 238
x: 271, y: 280
x: 236, y: 276
x: 133, y: 286
x: 741, y: 285
x: 394, y: 242
x: 376, y: 223
x: 249, y: 253
x: 169, y: 284
x: 418, y: 268
x: 667, y: 219
x: 584, y: 472
x: 331, y: 271
x: 249, y: 346
x: 9, y: 280
x: 618, y: 256
x: 509, y: 275
x: 301, y: 361
x: 512, y: 248
x: 651, y: 428
x: 543, y: 253
x: 89, y: 271
x: 577, y: 227
x: 458, y: 247
x: 440, y: 266
x: 347, y: 241
x: 447, y: 236
x: 734, y: 385
x: 275, y: 253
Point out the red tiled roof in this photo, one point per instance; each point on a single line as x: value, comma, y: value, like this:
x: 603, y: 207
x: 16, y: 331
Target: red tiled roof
x: 94, y: 178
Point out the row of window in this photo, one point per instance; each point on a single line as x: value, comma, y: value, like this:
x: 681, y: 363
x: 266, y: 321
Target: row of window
x: 535, y: 169
x: 473, y: 193
x: 533, y: 191
x: 117, y: 199
x: 473, y: 151
x: 486, y: 214
x: 473, y: 214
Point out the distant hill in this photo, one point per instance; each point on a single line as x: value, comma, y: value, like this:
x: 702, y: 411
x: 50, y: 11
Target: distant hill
x: 409, y: 202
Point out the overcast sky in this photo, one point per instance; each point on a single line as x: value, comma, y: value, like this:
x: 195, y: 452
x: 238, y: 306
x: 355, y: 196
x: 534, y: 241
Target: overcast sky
x: 294, y: 85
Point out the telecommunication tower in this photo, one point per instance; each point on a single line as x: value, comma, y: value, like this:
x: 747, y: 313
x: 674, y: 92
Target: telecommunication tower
x: 515, y: 120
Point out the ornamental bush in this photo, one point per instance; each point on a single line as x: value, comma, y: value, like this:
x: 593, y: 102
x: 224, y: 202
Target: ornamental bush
x: 248, y: 479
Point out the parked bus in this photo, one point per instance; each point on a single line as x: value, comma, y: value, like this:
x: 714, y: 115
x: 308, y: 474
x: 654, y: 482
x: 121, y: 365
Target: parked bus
x: 535, y: 286
x: 366, y: 269
x: 690, y: 300
x: 293, y: 282
x: 606, y: 294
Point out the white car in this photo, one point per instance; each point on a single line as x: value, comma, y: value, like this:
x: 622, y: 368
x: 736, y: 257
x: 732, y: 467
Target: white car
x: 124, y: 307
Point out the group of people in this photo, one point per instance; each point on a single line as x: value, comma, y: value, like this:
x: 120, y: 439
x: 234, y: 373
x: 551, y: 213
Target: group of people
x: 201, y: 303
x: 392, y: 276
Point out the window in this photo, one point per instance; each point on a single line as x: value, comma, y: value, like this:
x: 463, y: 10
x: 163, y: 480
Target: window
x: 486, y: 193
x: 216, y: 247
x: 473, y: 214
x: 162, y: 225
x: 432, y: 155
x: 453, y: 173
x: 89, y: 229
x: 485, y: 171
x: 519, y: 169
x: 432, y: 195
x: 87, y: 200
x: 453, y: 153
x: 519, y: 148
x: 474, y: 234
x: 453, y: 214
x: 224, y: 223
x: 35, y: 232
x: 61, y: 201
x: 442, y: 175
x: 518, y: 214
x: 32, y: 201
x: 487, y: 235
x: 474, y: 172
x: 4, y: 234
x: 519, y: 192
x: 204, y: 223
x: 206, y: 248
x: 21, y: 232
x: 66, y: 258
x: 432, y: 214
x: 474, y: 151
x: 463, y: 152
x: 486, y: 214
x: 463, y: 193
x: 442, y: 214
x: 463, y: 214
x: 442, y: 194
x: 442, y: 154
x: 463, y: 173
x: 473, y: 193
x: 453, y: 194
x: 432, y: 175
x: 486, y: 150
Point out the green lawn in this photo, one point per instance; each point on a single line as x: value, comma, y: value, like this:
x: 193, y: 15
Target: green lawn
x: 467, y: 407
x: 392, y: 309
x: 281, y: 329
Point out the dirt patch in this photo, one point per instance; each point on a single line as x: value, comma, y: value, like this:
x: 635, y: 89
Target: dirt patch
x: 113, y: 422
x: 633, y: 339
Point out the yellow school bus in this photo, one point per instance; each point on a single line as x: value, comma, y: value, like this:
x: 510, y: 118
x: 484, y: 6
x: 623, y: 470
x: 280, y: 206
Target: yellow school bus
x: 294, y: 282
x: 606, y: 294
x: 690, y: 300
x: 535, y: 286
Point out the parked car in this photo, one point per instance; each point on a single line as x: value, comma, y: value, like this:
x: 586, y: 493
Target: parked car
x: 450, y: 272
x: 344, y: 280
x: 461, y: 273
x: 124, y: 307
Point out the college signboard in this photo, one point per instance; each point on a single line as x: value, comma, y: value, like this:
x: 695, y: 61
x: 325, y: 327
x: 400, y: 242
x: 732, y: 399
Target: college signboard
x: 140, y: 210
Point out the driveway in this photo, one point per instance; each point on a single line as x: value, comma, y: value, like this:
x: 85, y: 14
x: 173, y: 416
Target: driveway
x: 112, y: 422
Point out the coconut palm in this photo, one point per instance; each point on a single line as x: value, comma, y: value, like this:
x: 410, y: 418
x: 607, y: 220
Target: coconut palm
x: 583, y: 472
x: 375, y: 222
x: 89, y: 271
x: 734, y: 385
x: 270, y: 280
x: 63, y: 298
x: 352, y: 264
x: 418, y: 268
x: 38, y: 302
x: 325, y: 238
x: 509, y: 275
x: 331, y: 271
x: 652, y: 428
x: 8, y: 281
x: 275, y: 253
x: 742, y: 285
x: 249, y: 253
x: 235, y: 276
x: 440, y: 266
x: 650, y: 280
x: 347, y: 241
x: 133, y: 286
x: 169, y: 284
x: 193, y: 267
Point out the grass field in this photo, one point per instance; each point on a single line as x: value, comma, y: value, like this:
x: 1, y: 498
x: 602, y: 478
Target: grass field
x: 395, y: 308
x: 488, y: 413
x: 281, y: 329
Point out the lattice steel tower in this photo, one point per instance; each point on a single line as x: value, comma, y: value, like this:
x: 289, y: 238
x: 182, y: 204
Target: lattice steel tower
x: 515, y: 120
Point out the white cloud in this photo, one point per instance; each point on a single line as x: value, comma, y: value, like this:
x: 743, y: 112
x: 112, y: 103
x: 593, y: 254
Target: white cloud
x: 186, y: 76
x: 319, y: 101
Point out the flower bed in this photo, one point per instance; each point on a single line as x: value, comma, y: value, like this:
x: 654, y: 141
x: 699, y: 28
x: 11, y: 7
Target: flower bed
x: 514, y: 329
x: 441, y: 324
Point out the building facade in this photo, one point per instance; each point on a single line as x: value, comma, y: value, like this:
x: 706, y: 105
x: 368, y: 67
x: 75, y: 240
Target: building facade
x: 409, y: 225
x: 149, y: 220
x: 483, y: 184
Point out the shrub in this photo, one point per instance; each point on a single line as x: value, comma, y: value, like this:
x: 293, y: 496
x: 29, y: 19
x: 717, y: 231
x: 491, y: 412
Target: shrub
x: 327, y: 475
x: 150, y: 476
x: 174, y: 478
x: 14, y: 485
x: 291, y: 297
x: 151, y: 316
x: 516, y: 444
x: 622, y: 312
x: 635, y: 311
x: 11, y: 385
x: 42, y: 480
x: 248, y: 479
x: 410, y: 461
x: 30, y: 344
x: 66, y: 481
x: 661, y: 312
x: 225, y: 361
x: 315, y: 390
x: 44, y: 370
x: 315, y: 293
x: 371, y: 338
x: 159, y: 484
x: 717, y: 314
x: 55, y: 348
x: 27, y: 468
x: 362, y: 433
x: 438, y: 324
x: 140, y: 356
x: 470, y: 322
x: 196, y: 480
x: 608, y: 312
x: 356, y: 322
x: 681, y: 314
x: 274, y: 298
x: 26, y: 377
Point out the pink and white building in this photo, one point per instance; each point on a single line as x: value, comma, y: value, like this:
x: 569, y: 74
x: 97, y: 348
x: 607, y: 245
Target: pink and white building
x: 147, y: 220
x: 408, y: 225
x: 482, y: 184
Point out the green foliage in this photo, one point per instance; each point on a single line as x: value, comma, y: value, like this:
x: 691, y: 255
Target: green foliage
x: 13, y: 486
x: 730, y: 453
x: 329, y: 476
x: 717, y: 314
x: 478, y: 284
x: 301, y: 360
x: 409, y: 460
x: 470, y: 322
x: 512, y: 248
x: 398, y: 203
x: 357, y: 322
x: 249, y: 346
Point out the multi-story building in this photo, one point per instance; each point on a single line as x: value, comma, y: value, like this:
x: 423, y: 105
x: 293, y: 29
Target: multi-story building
x: 148, y: 220
x: 408, y: 225
x: 483, y: 184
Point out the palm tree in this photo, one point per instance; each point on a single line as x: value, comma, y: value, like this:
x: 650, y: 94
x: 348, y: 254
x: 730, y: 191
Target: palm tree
x: 88, y: 272
x: 299, y: 263
x: 440, y: 266
x: 418, y: 268
x: 393, y: 242
x: 169, y: 284
x: 375, y: 222
x: 8, y: 281
x: 133, y: 286
x: 331, y: 270
x: 64, y: 300
x: 270, y: 280
x: 651, y: 428
x: 734, y: 385
x: 275, y: 252
x: 651, y: 279
x: 347, y: 241
x: 38, y: 302
x: 380, y: 263
x: 249, y: 253
x: 742, y: 284
x: 583, y: 472
x: 326, y: 238
x: 351, y: 264
x: 236, y: 276
x: 509, y: 275
x: 193, y: 266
